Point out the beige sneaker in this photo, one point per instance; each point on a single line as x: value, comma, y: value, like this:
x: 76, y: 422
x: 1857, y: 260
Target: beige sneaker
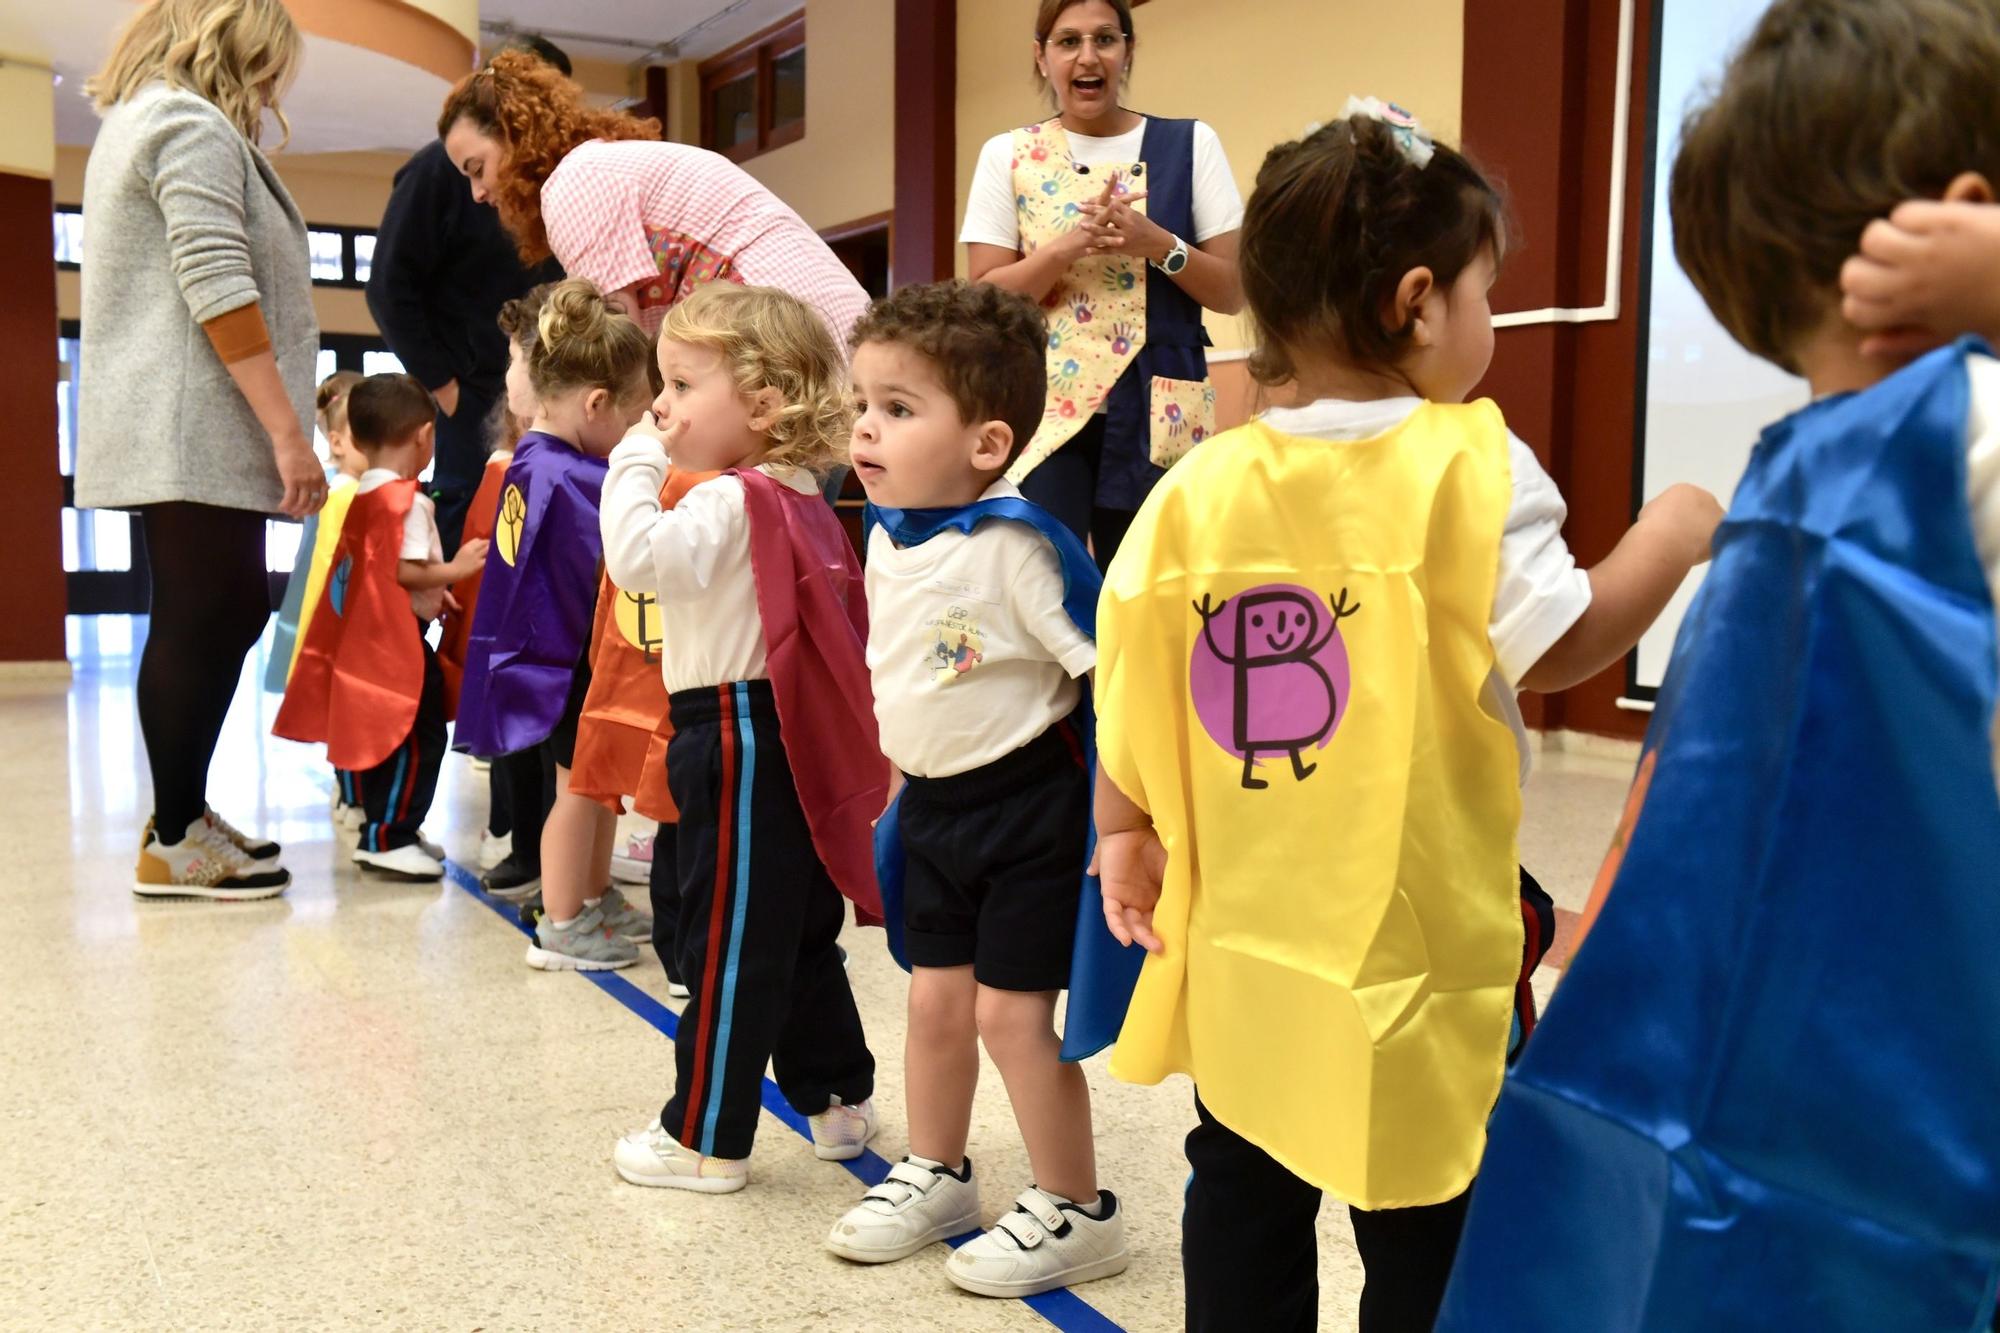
x: 262, y: 853
x: 654, y: 1157
x: 204, y: 864
x: 841, y: 1133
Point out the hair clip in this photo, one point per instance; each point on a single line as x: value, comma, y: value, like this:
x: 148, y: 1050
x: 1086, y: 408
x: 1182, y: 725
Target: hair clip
x: 1410, y: 136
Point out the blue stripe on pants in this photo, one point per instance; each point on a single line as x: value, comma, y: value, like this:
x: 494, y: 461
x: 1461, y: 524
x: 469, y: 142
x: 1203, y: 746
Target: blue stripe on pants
x: 746, y: 779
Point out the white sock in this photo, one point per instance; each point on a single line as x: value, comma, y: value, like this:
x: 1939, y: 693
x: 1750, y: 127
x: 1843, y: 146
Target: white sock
x: 561, y: 925
x: 598, y: 901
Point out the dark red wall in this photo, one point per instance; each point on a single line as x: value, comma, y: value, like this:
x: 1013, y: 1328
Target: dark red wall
x: 1539, y: 101
x: 33, y: 595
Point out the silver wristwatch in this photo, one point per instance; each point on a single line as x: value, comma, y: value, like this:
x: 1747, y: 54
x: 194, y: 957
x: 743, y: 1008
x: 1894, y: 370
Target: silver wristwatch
x: 1176, y: 260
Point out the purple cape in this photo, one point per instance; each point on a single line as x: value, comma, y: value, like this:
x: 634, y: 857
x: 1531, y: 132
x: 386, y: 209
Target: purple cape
x: 536, y: 599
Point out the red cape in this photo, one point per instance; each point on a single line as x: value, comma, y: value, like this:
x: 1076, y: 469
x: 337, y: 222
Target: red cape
x: 480, y: 520
x: 361, y: 668
x: 809, y: 592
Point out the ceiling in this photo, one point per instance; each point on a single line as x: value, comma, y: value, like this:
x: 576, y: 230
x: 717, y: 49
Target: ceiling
x: 704, y: 26
x: 347, y: 97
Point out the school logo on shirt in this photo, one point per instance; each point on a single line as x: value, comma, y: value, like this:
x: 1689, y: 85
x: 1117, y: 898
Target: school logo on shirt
x: 638, y: 617
x: 956, y: 646
x: 513, y: 520
x: 1269, y: 674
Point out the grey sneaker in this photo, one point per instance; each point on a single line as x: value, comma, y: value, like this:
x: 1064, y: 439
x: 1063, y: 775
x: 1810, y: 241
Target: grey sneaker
x: 626, y: 921
x: 587, y: 944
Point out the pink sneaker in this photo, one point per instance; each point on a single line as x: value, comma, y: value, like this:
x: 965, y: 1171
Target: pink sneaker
x: 634, y: 865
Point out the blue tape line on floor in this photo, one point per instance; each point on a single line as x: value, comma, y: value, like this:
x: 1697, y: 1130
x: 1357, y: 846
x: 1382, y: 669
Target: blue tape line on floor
x: 1065, y: 1309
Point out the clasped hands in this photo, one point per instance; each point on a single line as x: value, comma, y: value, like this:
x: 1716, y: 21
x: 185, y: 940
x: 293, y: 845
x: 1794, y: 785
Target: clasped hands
x: 1112, y: 226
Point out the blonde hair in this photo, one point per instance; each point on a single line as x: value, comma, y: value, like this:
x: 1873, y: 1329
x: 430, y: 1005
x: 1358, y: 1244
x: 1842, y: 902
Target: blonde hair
x: 772, y: 340
x: 582, y: 343
x: 240, y: 55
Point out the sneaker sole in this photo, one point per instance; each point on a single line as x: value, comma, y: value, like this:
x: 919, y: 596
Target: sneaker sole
x: 678, y: 990
x: 1091, y: 1272
x: 630, y: 872
x: 400, y: 876
x: 548, y: 961
x: 517, y: 895
x: 943, y: 1232
x: 145, y: 890
x: 693, y: 1184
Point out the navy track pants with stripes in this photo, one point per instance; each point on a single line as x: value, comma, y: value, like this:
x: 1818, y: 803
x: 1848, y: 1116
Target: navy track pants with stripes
x: 396, y: 794
x: 757, y: 931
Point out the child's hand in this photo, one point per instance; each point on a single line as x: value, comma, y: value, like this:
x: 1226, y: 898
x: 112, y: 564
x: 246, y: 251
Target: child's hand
x: 1130, y: 867
x: 1688, y: 516
x: 428, y: 603
x: 471, y: 558
x: 1928, y: 274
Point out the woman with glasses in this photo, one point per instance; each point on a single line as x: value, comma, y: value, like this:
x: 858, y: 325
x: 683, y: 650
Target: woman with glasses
x: 1124, y: 227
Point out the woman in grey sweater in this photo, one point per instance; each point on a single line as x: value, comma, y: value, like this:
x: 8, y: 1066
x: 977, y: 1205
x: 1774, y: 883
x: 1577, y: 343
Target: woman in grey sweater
x: 199, y: 346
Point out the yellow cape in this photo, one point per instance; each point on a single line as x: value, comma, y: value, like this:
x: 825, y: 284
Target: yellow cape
x: 331, y: 516
x: 1292, y: 647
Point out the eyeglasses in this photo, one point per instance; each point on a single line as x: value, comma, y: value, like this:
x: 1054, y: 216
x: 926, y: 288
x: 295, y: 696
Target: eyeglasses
x: 1070, y: 43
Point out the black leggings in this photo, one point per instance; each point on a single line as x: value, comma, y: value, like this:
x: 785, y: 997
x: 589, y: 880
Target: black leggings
x: 211, y: 598
x: 1065, y: 484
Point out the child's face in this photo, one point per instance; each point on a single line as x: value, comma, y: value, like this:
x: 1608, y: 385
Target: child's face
x: 520, y: 390
x: 723, y: 428
x: 1457, y: 342
x: 911, y: 448
x: 343, y: 454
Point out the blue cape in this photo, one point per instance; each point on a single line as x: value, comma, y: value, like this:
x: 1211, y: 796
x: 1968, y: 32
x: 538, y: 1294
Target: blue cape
x: 1767, y: 1093
x: 1102, y: 971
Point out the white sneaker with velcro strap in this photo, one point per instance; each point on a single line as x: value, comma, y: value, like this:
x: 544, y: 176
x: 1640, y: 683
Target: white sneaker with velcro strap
x: 920, y: 1203
x: 1045, y: 1243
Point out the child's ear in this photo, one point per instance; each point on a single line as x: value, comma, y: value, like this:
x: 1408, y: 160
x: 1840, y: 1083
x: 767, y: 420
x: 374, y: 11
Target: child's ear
x: 597, y: 402
x: 765, y: 405
x: 427, y: 434
x: 1969, y: 188
x: 1407, y: 309
x: 995, y: 442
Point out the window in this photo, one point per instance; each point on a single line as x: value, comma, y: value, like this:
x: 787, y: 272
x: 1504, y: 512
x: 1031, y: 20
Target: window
x: 340, y: 256
x: 753, y: 96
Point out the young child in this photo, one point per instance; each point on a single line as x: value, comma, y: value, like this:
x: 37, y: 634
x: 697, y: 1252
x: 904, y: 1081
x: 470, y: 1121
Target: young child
x: 508, y: 421
x: 316, y: 545
x: 975, y: 661
x: 368, y: 683
x: 528, y: 658
x: 1765, y: 1096
x: 761, y: 623
x: 1310, y: 750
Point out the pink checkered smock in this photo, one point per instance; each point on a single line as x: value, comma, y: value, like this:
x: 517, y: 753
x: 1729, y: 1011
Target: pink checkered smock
x: 668, y: 217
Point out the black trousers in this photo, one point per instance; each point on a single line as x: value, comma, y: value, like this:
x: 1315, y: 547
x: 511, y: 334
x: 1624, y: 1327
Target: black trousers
x: 396, y: 794
x: 1250, y: 1239
x: 530, y: 779
x: 1065, y: 484
x: 758, y: 924
x: 663, y: 886
x: 461, y: 455
x: 209, y: 604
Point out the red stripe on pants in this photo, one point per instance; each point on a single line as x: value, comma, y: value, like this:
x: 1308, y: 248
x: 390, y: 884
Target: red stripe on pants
x: 725, y: 864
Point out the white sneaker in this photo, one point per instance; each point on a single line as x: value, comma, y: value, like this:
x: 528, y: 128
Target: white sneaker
x: 435, y: 851
x: 678, y: 990
x: 634, y: 865
x: 1045, y: 1243
x: 410, y: 862
x: 920, y: 1203
x: 840, y: 1133
x: 352, y: 817
x: 204, y: 864
x: 655, y: 1158
x: 492, y: 850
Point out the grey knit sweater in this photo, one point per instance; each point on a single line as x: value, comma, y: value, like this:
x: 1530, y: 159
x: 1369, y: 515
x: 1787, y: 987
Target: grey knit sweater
x: 184, y: 220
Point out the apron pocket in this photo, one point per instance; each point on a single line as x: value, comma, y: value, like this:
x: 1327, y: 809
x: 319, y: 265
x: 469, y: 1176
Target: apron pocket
x: 1183, y: 416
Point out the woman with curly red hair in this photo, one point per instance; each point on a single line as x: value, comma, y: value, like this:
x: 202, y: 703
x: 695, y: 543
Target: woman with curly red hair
x: 646, y: 221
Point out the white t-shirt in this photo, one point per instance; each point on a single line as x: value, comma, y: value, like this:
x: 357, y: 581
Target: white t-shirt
x: 991, y: 219
x: 1540, y: 593
x: 970, y: 652
x: 421, y: 540
x: 695, y: 558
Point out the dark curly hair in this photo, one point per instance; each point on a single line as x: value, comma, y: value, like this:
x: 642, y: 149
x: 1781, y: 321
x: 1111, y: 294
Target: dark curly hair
x: 1336, y: 220
x: 1834, y: 112
x: 988, y: 346
x: 540, y: 116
